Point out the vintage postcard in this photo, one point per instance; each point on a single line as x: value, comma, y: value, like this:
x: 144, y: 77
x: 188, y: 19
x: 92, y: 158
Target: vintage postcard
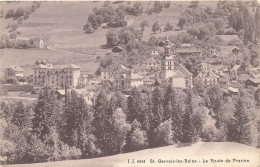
x: 130, y: 83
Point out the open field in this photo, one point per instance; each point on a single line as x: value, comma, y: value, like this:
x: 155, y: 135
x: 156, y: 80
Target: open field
x: 26, y: 58
x: 5, y: 6
x: 198, y: 152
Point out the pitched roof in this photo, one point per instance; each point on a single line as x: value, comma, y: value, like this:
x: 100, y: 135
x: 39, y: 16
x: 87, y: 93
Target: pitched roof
x: 141, y: 67
x: 178, y: 74
x: 117, y: 49
x: 236, y: 67
x: 184, y: 70
x: 114, y: 67
x: 188, y: 50
x: 205, y: 65
x: 90, y: 87
x: 210, y: 74
x: 169, y: 57
x: 135, y: 76
x: 67, y: 66
x: 150, y: 60
x: 43, y: 66
x: 61, y: 92
x: 255, y: 80
x: 224, y: 79
x: 243, y: 77
x: 16, y: 68
x: 235, y: 90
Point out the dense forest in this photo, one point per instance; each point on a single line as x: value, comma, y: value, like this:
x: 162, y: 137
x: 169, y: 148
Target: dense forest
x: 56, y: 129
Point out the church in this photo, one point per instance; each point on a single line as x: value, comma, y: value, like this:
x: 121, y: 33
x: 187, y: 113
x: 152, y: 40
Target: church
x: 172, y: 72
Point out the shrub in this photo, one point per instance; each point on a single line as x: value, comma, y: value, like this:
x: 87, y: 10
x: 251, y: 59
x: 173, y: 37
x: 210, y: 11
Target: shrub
x: 163, y: 134
x: 9, y: 14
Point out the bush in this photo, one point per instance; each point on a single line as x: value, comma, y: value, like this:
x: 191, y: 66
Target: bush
x: 163, y: 134
x: 88, y: 28
x: 138, y: 139
x: 19, y: 12
x: 9, y: 14
x: 112, y: 38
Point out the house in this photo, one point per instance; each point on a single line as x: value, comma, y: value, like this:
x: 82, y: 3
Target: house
x: 224, y: 81
x: 213, y: 52
x: 128, y: 80
x: 87, y: 79
x: 233, y: 91
x: 229, y: 92
x: 155, y: 53
x: 235, y: 50
x: 13, y: 71
x: 117, y: 49
x: 85, y: 94
x: 44, y: 74
x: 151, y: 62
x: 254, y: 81
x: 236, y: 71
x: 60, y: 93
x: 205, y: 67
x: 209, y: 78
x: 243, y: 78
x: 112, y: 70
x: 38, y: 42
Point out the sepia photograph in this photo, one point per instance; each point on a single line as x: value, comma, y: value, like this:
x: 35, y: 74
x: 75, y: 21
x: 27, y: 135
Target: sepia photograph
x: 130, y: 83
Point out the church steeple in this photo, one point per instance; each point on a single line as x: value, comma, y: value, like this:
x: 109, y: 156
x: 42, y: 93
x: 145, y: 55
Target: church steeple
x: 167, y: 47
x: 167, y: 64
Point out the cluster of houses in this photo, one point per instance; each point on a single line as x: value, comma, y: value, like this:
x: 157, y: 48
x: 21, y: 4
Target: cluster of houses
x: 147, y: 74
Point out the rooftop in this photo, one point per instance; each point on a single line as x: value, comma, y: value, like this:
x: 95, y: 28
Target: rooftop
x: 16, y: 68
x: 236, y: 67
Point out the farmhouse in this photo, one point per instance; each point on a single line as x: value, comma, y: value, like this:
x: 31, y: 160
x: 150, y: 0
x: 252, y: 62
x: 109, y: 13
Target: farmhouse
x: 38, y: 42
x: 236, y: 71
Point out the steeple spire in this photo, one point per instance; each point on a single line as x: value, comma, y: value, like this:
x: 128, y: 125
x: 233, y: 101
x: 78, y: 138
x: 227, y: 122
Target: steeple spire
x: 167, y: 47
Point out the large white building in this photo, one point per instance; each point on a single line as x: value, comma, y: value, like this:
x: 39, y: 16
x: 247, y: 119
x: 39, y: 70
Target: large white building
x: 45, y: 74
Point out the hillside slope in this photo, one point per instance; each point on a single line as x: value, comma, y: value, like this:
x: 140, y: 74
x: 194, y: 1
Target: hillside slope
x: 198, y: 152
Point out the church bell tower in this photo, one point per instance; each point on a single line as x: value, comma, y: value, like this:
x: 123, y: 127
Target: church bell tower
x: 167, y: 64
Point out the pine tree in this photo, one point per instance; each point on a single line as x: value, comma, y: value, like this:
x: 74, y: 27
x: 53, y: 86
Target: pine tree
x: 173, y: 111
x: 257, y: 21
x: 186, y: 126
x: 163, y: 134
x: 44, y: 113
x: 120, y: 128
x: 136, y: 139
x: 22, y: 116
x: 118, y: 100
x: 103, y: 123
x: 134, y: 105
x: 78, y: 130
x: 157, y: 110
x: 241, y: 126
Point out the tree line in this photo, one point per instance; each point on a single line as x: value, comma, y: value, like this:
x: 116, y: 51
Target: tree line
x: 52, y: 129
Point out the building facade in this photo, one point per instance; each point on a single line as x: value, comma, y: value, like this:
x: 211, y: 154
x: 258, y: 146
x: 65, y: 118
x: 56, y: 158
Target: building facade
x: 13, y: 71
x: 44, y: 74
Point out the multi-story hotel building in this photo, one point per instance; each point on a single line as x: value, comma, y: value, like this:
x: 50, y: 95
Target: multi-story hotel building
x: 45, y: 74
